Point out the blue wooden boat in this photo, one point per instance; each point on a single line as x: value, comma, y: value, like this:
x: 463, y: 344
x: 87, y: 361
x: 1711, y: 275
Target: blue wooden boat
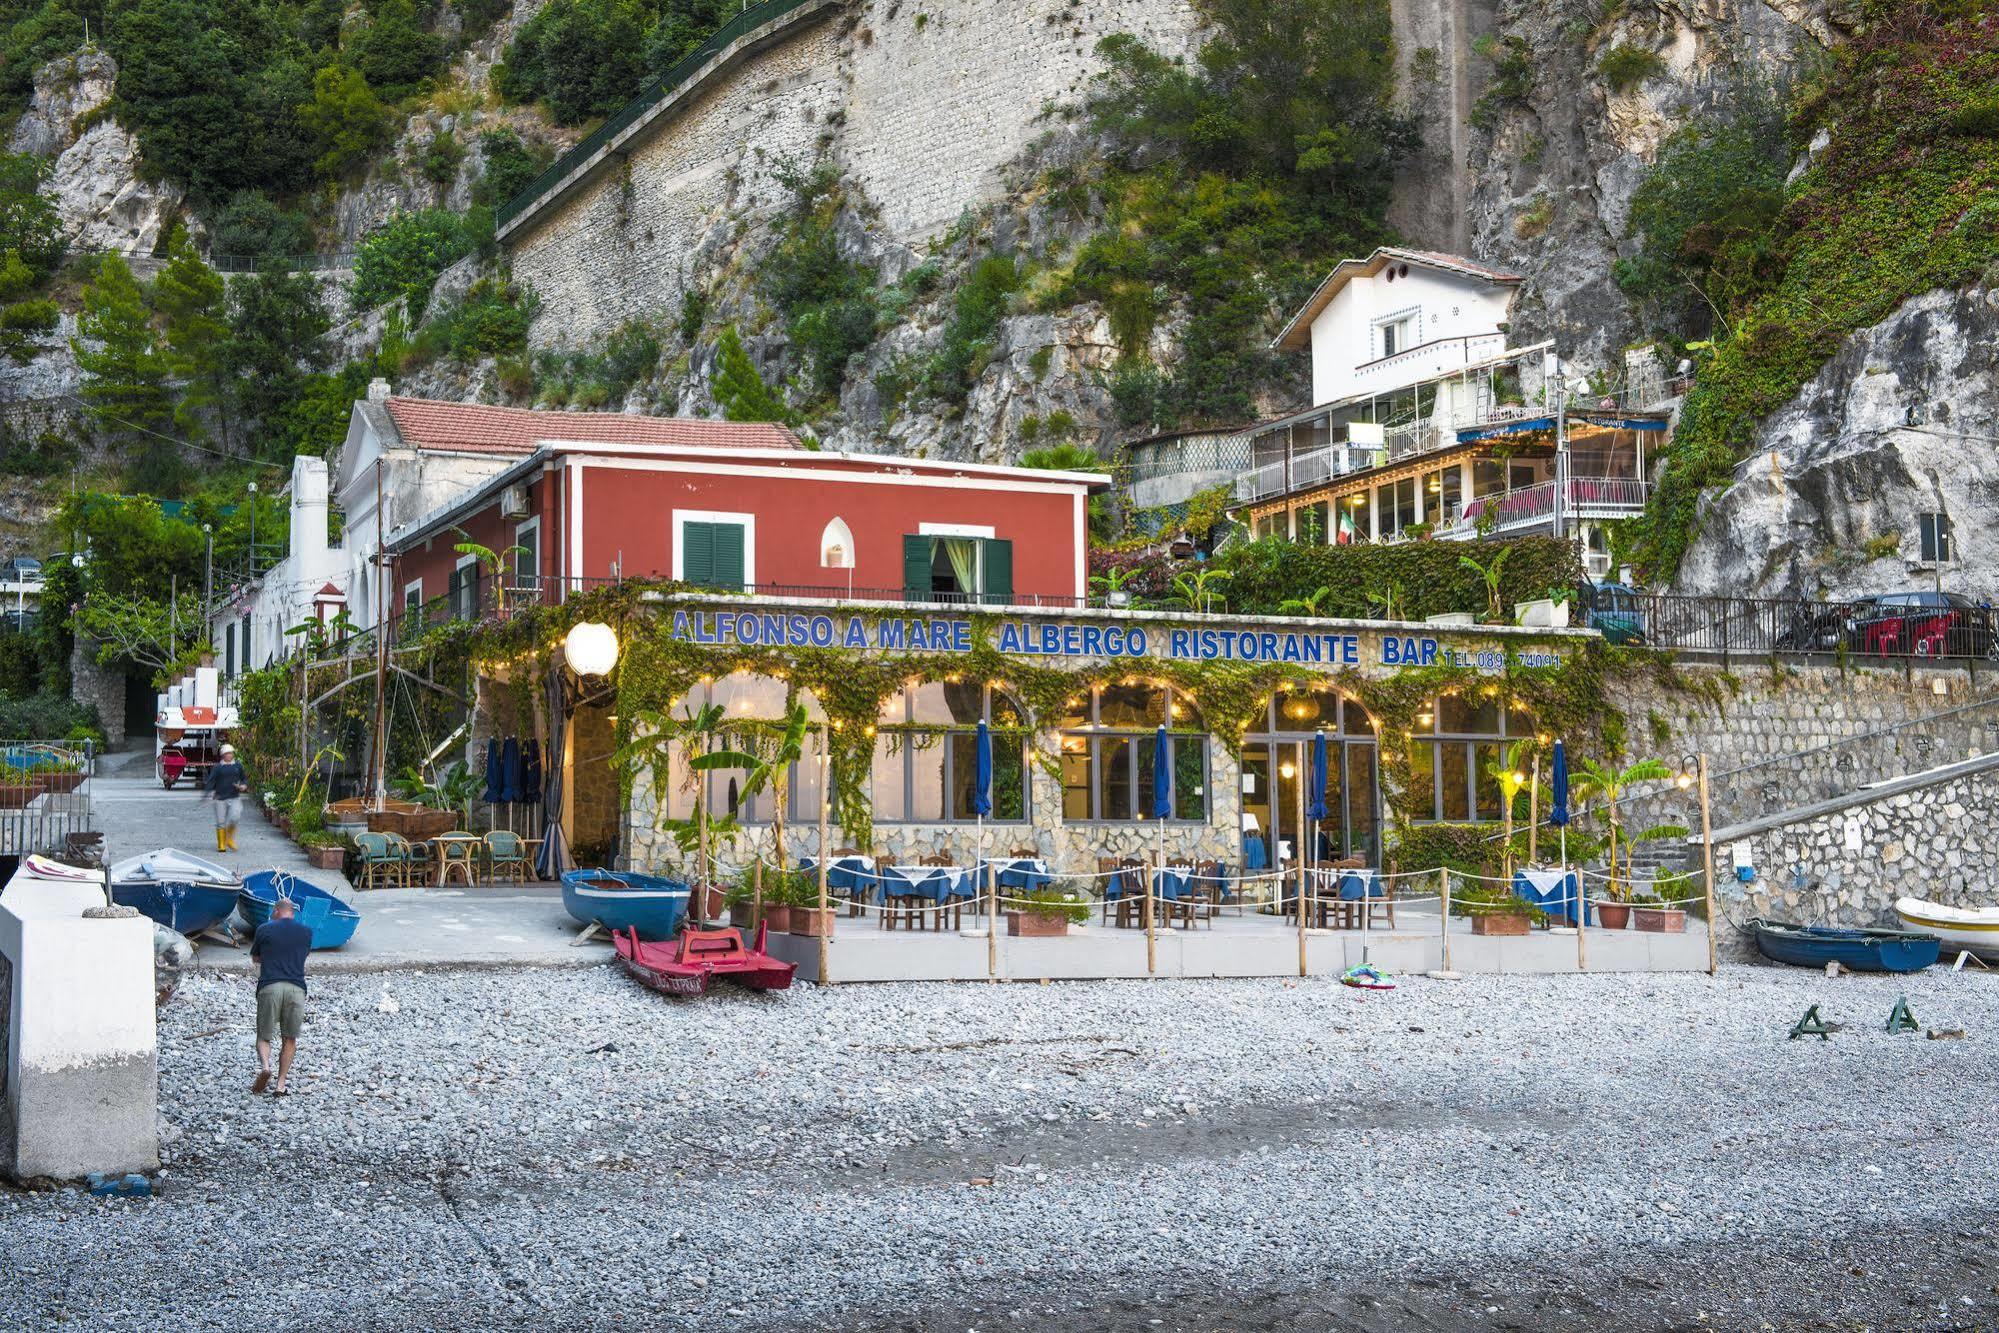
x: 624, y: 900
x: 180, y: 891
x: 331, y: 921
x: 1852, y: 947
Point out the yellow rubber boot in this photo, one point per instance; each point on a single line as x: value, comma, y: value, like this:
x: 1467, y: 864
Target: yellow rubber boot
x: 229, y: 840
x: 221, y: 839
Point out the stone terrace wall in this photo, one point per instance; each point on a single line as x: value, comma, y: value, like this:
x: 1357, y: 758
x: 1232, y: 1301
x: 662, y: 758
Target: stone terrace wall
x: 1804, y: 735
x: 1939, y: 842
x: 918, y: 104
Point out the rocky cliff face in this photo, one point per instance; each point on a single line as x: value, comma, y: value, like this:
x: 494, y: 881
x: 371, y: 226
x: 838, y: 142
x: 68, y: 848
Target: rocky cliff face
x: 1556, y: 151
x: 1900, y: 423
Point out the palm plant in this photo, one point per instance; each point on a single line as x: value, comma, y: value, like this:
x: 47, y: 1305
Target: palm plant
x: 1308, y: 605
x: 770, y: 769
x: 1596, y: 781
x: 1111, y: 583
x: 1491, y: 574
x: 655, y: 737
x: 1388, y: 598
x: 1195, y: 589
x: 492, y: 564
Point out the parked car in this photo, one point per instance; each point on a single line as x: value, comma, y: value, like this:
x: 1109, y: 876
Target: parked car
x: 1615, y: 611
x: 21, y: 569
x: 1924, y: 624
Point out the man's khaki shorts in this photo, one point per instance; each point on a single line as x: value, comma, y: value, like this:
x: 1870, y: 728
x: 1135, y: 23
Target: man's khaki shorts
x: 280, y: 1008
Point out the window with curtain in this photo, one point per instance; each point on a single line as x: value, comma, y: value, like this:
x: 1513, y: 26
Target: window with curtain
x: 926, y: 760
x: 749, y: 700
x: 957, y: 569
x: 1108, y: 740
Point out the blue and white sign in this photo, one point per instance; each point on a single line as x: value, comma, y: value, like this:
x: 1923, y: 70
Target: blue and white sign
x: 1242, y: 643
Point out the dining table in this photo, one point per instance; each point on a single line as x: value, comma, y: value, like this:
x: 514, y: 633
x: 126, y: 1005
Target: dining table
x: 849, y: 874
x: 1025, y: 873
x: 459, y: 851
x: 937, y: 883
x: 1553, y: 891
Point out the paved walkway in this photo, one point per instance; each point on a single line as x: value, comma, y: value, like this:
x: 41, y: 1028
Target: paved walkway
x: 400, y: 928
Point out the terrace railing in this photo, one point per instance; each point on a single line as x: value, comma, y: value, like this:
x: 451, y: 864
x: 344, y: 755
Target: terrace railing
x: 43, y: 794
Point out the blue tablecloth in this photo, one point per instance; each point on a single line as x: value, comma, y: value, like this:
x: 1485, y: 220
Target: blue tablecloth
x: 1018, y: 872
x: 1553, y: 891
x: 1172, y: 883
x: 1358, y: 884
x: 1255, y: 856
x: 937, y: 883
x: 848, y: 874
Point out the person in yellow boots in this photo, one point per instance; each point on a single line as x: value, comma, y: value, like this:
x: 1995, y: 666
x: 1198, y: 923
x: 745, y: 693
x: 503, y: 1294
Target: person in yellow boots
x: 225, y: 788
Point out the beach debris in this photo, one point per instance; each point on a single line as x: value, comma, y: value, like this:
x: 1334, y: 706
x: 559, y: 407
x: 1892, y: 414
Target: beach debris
x: 1367, y: 976
x: 1833, y: 969
x: 129, y: 1186
x: 1946, y: 1034
x: 388, y: 1003
x: 1811, y: 1025
x: 1900, y: 1019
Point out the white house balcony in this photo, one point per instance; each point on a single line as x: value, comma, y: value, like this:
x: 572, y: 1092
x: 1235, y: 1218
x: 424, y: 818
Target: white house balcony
x: 1426, y: 361
x: 1534, y: 506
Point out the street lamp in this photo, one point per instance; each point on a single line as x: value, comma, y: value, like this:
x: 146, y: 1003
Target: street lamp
x: 207, y: 569
x: 591, y: 648
x: 253, y: 529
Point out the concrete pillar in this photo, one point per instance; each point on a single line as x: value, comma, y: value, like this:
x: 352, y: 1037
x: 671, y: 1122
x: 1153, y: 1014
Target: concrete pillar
x: 77, y: 1028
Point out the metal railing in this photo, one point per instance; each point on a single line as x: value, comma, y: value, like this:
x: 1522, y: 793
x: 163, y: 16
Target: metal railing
x: 1206, y: 453
x: 1588, y: 497
x: 43, y: 794
x: 650, y: 96
x: 1864, y: 630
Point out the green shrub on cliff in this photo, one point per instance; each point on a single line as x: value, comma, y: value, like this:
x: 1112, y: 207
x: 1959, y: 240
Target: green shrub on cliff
x: 1899, y: 202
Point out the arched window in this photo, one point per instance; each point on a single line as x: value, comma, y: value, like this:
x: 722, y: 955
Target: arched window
x: 926, y: 754
x: 747, y: 700
x: 1108, y: 740
x: 1456, y: 749
x: 1276, y: 777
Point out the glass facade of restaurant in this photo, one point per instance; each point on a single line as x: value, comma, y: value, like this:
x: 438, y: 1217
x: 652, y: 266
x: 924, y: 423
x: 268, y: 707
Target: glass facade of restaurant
x: 924, y: 765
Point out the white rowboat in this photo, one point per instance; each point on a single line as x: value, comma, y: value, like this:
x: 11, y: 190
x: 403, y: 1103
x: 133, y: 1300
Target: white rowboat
x: 1973, y: 928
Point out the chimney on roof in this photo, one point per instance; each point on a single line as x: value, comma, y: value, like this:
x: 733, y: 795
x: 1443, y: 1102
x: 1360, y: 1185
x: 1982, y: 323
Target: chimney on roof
x: 378, y: 390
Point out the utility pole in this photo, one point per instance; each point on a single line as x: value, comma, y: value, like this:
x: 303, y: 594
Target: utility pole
x: 253, y: 529
x: 207, y: 569
x: 1554, y: 365
x: 378, y: 758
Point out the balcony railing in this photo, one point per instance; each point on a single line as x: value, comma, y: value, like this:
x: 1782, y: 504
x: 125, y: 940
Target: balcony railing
x: 1588, y: 497
x: 1427, y: 361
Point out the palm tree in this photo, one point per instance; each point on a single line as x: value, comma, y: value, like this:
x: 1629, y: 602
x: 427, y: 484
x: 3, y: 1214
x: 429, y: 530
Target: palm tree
x: 654, y: 739
x: 1308, y: 605
x: 1192, y: 589
x: 1599, y: 782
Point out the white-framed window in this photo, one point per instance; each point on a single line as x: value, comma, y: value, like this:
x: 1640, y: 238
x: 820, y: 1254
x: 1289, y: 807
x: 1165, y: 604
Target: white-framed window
x: 463, y: 595
x: 714, y: 549
x: 526, y: 572
x: 956, y: 562
x: 1397, y: 332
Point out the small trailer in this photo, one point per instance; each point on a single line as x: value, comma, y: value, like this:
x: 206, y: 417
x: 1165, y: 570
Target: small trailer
x: 190, y: 726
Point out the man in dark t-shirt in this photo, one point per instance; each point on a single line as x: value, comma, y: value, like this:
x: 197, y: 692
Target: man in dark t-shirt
x: 279, y: 949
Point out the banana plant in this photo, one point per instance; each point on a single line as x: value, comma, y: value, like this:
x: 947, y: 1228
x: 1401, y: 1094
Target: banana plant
x: 492, y: 564
x: 1597, y: 781
x: 1388, y: 598
x: 1308, y: 605
x: 1491, y: 573
x: 770, y: 769
x: 655, y: 736
x: 1195, y: 589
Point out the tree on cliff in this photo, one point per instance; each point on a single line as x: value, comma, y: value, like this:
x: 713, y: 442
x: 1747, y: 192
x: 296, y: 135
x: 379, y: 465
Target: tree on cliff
x: 190, y: 299
x: 739, y: 390
x: 126, y: 373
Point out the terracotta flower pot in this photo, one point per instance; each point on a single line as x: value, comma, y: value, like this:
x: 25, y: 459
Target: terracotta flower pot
x: 778, y: 918
x: 716, y: 905
x: 1036, y: 925
x: 805, y: 920
x: 16, y: 793
x: 62, y: 782
x: 1661, y: 920
x: 326, y: 858
x: 1613, y: 916
x: 1499, y: 923
x: 739, y: 916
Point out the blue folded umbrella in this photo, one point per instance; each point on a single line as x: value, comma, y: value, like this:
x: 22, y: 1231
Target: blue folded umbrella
x: 494, y: 777
x: 531, y: 762
x: 513, y: 774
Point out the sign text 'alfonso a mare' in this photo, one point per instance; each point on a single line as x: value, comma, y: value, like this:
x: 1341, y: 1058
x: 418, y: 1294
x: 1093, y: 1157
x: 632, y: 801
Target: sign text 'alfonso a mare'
x: 1082, y: 639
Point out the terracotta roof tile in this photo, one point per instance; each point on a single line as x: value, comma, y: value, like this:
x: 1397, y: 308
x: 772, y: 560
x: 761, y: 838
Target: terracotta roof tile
x: 429, y: 424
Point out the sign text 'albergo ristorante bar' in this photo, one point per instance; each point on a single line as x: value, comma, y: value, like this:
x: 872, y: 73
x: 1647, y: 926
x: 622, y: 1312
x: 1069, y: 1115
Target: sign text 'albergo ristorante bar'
x: 1239, y: 642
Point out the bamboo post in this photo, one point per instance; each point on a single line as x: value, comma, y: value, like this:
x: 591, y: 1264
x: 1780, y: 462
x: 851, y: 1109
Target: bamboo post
x: 1534, y: 814
x: 1506, y: 794
x: 1707, y: 866
x: 701, y: 837
x: 1303, y: 876
x: 825, y: 922
x: 1151, y: 937
x: 1444, y: 909
x: 756, y: 892
x: 992, y: 921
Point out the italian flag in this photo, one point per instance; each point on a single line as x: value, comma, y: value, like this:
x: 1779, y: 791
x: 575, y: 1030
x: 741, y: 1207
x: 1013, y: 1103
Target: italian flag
x: 1348, y: 532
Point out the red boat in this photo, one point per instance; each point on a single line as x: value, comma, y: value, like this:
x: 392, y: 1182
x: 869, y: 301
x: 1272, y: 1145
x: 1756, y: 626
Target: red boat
x: 686, y: 964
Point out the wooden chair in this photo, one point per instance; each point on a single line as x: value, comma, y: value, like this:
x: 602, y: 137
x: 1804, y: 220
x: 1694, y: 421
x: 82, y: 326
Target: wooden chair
x: 1206, y: 887
x: 1105, y: 866
x: 459, y: 856
x: 954, y: 908
x: 84, y: 848
x: 1024, y: 854
x: 379, y: 861
x: 899, y: 905
x: 505, y: 855
x: 1135, y: 902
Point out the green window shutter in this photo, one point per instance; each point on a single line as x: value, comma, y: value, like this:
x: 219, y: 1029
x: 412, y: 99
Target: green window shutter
x: 728, y: 544
x: 697, y: 561
x: 999, y: 573
x: 916, y: 552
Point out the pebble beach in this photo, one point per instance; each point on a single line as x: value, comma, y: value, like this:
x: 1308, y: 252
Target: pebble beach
x: 560, y: 1148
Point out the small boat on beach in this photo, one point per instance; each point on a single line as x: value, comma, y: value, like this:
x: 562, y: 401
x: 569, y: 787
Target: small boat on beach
x: 331, y: 921
x: 179, y: 890
x: 625, y: 900
x: 1852, y: 947
x: 685, y: 966
x: 1972, y: 929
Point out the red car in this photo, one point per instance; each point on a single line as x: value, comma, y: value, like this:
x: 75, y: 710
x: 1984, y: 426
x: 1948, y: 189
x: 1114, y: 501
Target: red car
x: 1925, y: 624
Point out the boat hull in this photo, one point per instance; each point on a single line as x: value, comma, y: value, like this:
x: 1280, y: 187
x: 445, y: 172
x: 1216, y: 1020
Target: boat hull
x: 688, y: 965
x: 178, y: 905
x: 1959, y: 929
x: 332, y: 925
x: 1854, y: 949
x: 622, y: 901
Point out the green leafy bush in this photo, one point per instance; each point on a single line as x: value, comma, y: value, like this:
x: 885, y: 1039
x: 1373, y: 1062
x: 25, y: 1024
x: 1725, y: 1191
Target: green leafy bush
x: 1265, y: 574
x: 31, y: 235
x: 631, y: 355
x: 348, y: 123
x: 584, y: 58
x: 976, y: 312
x: 739, y: 390
x: 1625, y: 66
x: 491, y: 319
x: 400, y: 260
x: 23, y: 324
x: 828, y: 301
x: 393, y: 52
x: 510, y: 166
x: 440, y: 158
x: 252, y: 226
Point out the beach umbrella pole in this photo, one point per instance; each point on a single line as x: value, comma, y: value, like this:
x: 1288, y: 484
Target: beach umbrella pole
x: 1707, y: 865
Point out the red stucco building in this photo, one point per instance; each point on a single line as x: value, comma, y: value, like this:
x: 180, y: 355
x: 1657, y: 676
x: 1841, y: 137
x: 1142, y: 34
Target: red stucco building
x: 736, y: 506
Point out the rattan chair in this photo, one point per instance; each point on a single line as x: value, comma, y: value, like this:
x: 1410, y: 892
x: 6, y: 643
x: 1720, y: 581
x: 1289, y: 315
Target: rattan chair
x: 381, y: 863
x: 506, y: 854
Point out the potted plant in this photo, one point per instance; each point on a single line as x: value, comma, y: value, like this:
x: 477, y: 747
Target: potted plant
x: 1491, y: 574
x: 1650, y: 910
x: 1048, y: 912
x: 324, y: 851
x: 805, y: 912
x: 1550, y: 612
x: 739, y: 901
x: 1596, y: 781
x: 777, y: 904
x: 1496, y: 910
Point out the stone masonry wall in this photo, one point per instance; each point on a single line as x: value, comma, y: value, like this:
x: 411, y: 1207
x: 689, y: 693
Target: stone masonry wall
x: 101, y: 687
x: 1939, y: 842
x: 919, y: 105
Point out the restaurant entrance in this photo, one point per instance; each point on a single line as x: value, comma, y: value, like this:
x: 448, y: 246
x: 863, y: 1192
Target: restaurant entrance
x: 1277, y: 766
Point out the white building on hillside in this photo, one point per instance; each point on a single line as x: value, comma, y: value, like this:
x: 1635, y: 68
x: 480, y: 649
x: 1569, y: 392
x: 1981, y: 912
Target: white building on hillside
x: 247, y: 623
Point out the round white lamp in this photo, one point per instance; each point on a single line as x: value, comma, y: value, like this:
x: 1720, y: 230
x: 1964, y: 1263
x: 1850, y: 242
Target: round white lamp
x: 591, y: 647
